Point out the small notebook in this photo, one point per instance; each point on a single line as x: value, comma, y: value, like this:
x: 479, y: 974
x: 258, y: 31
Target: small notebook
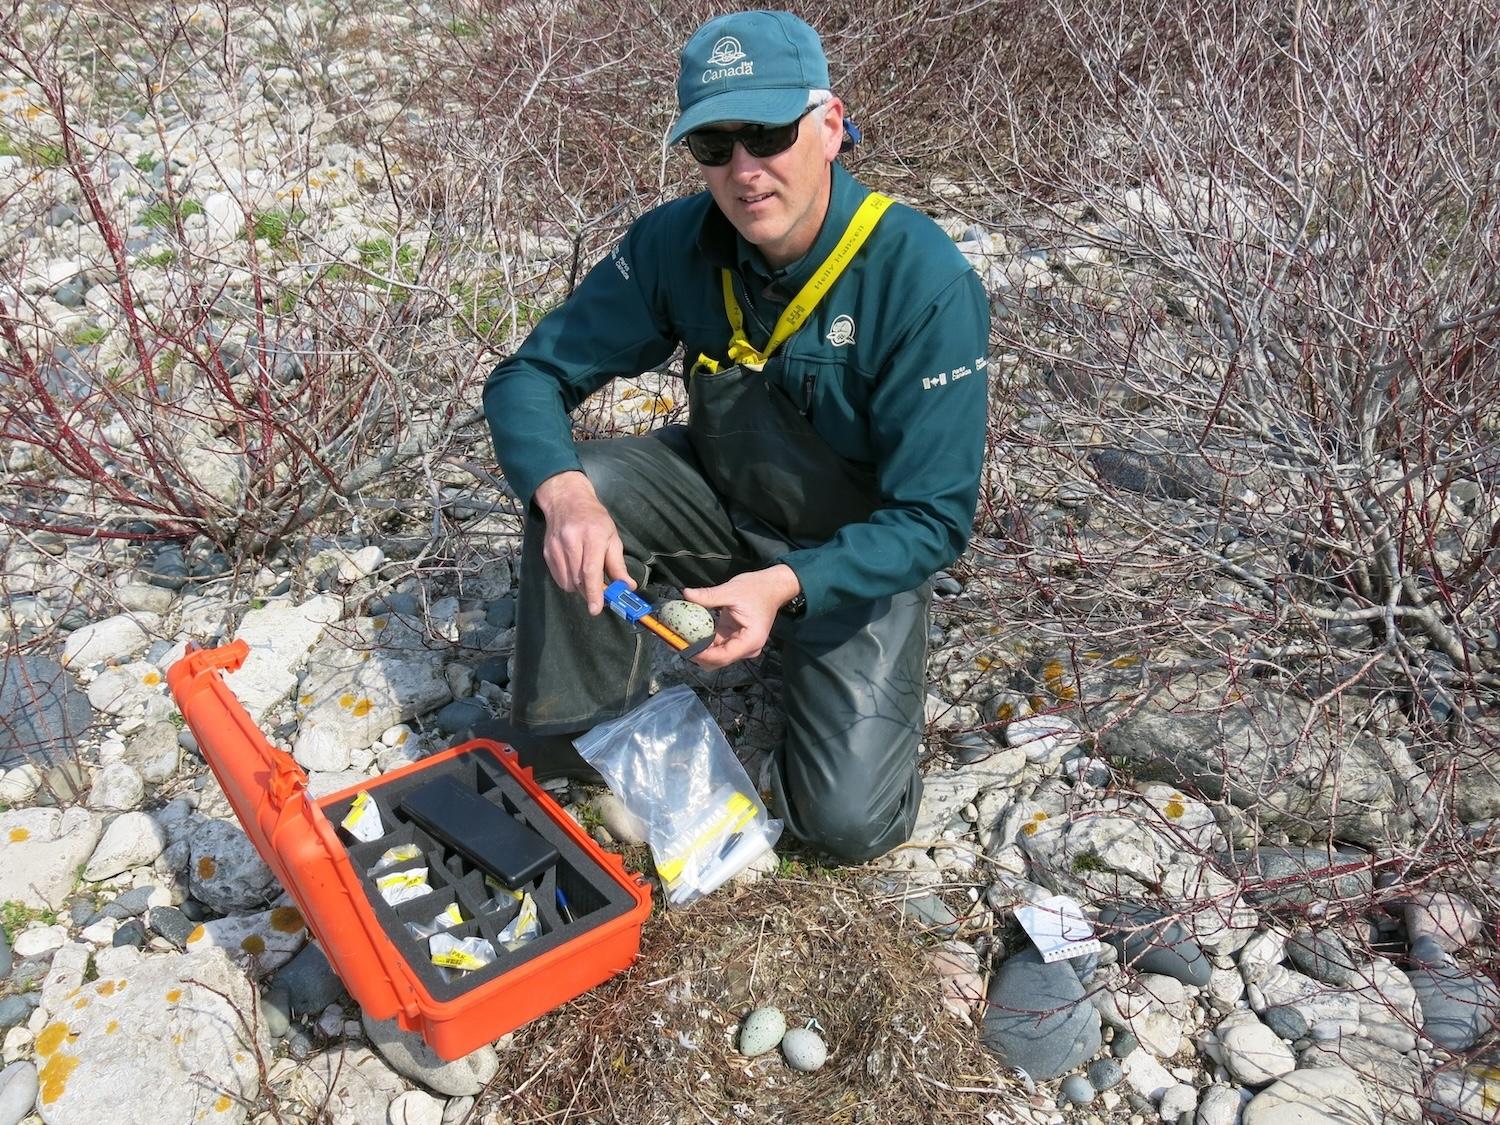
x: 1058, y: 928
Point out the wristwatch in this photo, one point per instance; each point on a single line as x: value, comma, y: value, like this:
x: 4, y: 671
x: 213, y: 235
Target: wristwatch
x: 797, y: 606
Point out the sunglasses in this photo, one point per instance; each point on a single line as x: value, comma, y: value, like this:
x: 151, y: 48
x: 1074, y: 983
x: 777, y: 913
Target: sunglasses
x: 715, y: 147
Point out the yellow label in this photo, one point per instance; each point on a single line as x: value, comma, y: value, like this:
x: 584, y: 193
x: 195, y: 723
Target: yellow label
x: 738, y: 811
x: 457, y: 959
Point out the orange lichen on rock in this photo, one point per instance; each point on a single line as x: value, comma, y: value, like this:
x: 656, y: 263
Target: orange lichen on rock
x: 223, y: 1104
x: 151, y: 679
x: 196, y: 935
x: 53, y: 1036
x: 363, y: 708
x: 1175, y: 808
x: 105, y: 988
x: 53, y: 1077
x: 253, y: 944
x: 207, y: 867
x: 174, y: 995
x: 346, y: 700
x: 287, y: 920
x: 19, y: 835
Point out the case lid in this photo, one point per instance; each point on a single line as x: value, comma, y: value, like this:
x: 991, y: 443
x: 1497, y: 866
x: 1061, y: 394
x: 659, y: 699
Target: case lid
x: 268, y: 792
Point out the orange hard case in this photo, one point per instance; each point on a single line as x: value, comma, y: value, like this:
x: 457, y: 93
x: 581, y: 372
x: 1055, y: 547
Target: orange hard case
x: 300, y: 843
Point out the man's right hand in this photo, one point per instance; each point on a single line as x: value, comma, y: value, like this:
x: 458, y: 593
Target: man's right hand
x: 582, y: 546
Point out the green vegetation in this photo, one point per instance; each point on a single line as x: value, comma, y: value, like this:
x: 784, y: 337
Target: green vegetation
x: 89, y: 335
x: 160, y: 258
x: 46, y: 155
x: 16, y: 916
x: 159, y: 214
x: 273, y: 226
x: 8, y: 147
x: 488, y: 305
x: 147, y: 161
x: 377, y: 254
x: 1085, y: 863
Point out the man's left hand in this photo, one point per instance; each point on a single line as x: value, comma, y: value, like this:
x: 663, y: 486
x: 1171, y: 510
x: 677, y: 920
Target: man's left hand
x: 747, y: 606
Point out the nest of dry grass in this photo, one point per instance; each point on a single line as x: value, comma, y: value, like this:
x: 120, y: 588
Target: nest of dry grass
x: 657, y: 1044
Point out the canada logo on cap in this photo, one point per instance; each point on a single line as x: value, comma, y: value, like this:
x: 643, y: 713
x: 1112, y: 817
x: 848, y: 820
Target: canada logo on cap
x: 726, y: 51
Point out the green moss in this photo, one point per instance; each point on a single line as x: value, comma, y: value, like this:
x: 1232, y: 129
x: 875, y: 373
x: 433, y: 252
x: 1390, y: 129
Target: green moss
x: 377, y: 253
x: 8, y: 147
x: 147, y: 161
x: 159, y: 259
x: 47, y: 155
x: 1085, y: 863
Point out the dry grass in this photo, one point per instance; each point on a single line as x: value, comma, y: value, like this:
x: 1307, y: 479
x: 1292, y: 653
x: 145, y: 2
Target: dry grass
x: 657, y: 1044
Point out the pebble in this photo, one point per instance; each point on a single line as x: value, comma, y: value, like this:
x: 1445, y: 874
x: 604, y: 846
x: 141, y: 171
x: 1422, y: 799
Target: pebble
x: 1123, y: 1044
x: 1104, y: 1074
x: 1151, y: 944
x: 803, y: 1049
x: 7, y: 958
x: 1045, y: 1045
x: 1218, y: 1105
x: 1449, y: 920
x: 762, y: 1031
x: 1078, y: 1090
x: 276, y: 1010
x: 1286, y: 1022
x: 18, y: 1090
x: 1178, y: 1103
x: 1458, y: 1006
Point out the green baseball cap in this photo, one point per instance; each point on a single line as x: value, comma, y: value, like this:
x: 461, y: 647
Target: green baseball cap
x: 755, y: 67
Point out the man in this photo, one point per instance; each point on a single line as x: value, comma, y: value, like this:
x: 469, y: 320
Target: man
x: 830, y: 464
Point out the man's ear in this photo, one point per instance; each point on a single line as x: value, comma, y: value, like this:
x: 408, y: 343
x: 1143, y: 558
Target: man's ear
x: 833, y: 128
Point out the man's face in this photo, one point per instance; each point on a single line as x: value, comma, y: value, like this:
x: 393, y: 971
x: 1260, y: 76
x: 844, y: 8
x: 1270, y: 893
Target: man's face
x: 778, y: 202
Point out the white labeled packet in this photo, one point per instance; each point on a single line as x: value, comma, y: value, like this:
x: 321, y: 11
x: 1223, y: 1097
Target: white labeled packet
x: 363, y: 819
x: 1057, y: 927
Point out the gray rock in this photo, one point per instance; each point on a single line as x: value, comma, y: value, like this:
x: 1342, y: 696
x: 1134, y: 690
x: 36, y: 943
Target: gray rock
x: 1038, y: 1017
x: 170, y: 923
x: 309, y: 981
x: 43, y: 850
x: 1458, y: 1006
x: 460, y: 715
x: 932, y: 914
x: 1286, y: 1022
x: 1280, y: 754
x: 43, y: 714
x: 7, y: 958
x: 501, y: 615
x: 1322, y: 955
x: 18, y: 1090
x: 1393, y: 1082
x: 1104, y: 1074
x: 1151, y: 944
x: 1303, y: 876
x: 65, y: 783
x: 1426, y: 951
x: 1076, y: 1090
x: 1156, y: 474
x: 225, y: 872
x: 131, y: 933
x: 1123, y: 1045
x: 16, y: 1009
x: 412, y: 1058
x: 116, y: 1042
x: 1251, y: 1051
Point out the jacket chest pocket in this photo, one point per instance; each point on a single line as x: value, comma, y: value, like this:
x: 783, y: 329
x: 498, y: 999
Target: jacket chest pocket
x: 833, y: 401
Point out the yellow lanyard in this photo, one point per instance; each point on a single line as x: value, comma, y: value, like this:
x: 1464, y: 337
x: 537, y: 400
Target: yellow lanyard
x: 802, y: 305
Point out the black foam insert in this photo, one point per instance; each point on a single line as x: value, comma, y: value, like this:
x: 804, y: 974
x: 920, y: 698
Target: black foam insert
x: 593, y: 896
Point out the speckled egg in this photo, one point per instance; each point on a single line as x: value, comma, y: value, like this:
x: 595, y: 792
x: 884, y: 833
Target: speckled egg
x: 761, y: 1031
x: 804, y: 1049
x: 691, y: 622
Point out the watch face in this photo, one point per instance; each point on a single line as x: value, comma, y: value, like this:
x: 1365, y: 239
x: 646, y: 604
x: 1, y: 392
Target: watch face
x: 796, y: 607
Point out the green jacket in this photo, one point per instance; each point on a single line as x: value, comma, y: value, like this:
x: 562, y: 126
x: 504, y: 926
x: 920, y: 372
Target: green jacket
x: 891, y: 369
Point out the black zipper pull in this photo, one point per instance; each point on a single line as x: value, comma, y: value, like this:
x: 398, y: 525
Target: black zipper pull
x: 807, y: 393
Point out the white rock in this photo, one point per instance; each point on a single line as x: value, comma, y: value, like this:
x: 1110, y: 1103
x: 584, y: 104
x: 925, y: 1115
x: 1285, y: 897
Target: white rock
x: 37, y: 940
x: 416, y: 1108
x: 224, y: 220
x: 101, y: 932
x: 43, y: 848
x: 1178, y: 1100
x: 117, y: 787
x: 1319, y: 1005
x: 125, y: 688
x: 1448, y: 919
x: 280, y: 636
x: 1324, y: 1096
x: 65, y: 974
x: 1260, y: 953
x: 1045, y: 739
x: 1146, y: 1076
x: 359, y: 564
x: 265, y: 940
x: 159, y: 1027
x: 131, y: 839
x: 1250, y: 1051
x: 114, y: 638
x: 352, y: 1083
x: 1219, y: 1105
x: 20, y: 784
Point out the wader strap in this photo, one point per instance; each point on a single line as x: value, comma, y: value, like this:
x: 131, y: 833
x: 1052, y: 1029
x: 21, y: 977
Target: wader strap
x: 802, y: 305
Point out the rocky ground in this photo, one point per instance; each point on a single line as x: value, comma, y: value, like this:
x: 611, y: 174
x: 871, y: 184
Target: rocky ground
x: 1277, y: 937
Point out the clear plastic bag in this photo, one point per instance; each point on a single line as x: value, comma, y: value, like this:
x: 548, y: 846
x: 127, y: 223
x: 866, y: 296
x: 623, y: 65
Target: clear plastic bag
x: 671, y: 766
